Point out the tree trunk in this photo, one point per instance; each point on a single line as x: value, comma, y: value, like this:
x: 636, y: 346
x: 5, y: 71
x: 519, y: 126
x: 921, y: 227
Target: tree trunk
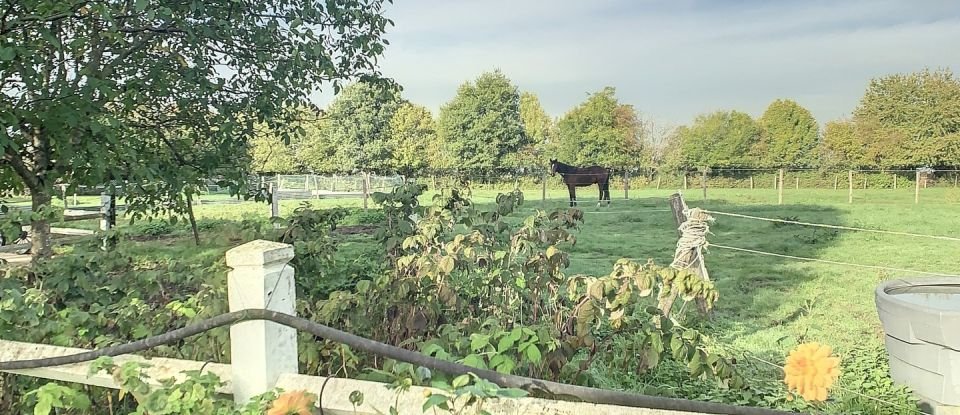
x: 193, y: 219
x: 41, y: 245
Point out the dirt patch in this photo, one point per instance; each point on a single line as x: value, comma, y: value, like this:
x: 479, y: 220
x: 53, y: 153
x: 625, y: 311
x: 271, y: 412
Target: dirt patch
x: 356, y: 229
x: 151, y: 238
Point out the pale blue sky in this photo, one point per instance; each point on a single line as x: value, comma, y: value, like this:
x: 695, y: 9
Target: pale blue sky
x: 671, y: 59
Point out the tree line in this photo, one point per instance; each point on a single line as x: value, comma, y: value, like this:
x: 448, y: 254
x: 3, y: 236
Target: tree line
x: 903, y: 121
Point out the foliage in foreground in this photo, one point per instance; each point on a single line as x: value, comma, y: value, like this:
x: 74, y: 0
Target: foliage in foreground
x: 536, y: 320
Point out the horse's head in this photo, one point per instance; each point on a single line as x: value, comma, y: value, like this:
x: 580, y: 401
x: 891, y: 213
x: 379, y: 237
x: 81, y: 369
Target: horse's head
x: 553, y: 167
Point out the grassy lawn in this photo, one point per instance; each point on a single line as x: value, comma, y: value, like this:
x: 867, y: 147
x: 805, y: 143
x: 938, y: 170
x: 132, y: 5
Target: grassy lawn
x: 767, y: 305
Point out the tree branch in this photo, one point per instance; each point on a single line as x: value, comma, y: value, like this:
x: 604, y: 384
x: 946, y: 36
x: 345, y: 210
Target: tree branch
x: 29, y: 179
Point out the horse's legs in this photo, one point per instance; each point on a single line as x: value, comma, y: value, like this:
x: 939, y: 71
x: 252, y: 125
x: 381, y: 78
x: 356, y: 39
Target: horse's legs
x: 573, y: 194
x: 606, y: 191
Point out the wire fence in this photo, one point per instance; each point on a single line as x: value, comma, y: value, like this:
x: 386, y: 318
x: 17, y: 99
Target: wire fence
x: 762, y: 186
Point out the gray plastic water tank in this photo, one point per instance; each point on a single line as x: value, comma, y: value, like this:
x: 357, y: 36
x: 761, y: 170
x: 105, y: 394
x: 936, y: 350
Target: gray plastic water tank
x: 921, y: 318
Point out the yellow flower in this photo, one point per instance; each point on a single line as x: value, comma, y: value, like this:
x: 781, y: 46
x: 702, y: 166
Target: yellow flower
x: 810, y: 370
x: 292, y: 403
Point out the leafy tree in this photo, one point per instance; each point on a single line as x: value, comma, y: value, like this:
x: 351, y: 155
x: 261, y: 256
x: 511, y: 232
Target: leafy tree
x: 841, y: 147
x: 270, y: 155
x: 921, y: 108
x: 358, y: 127
x: 789, y: 135
x: 601, y: 131
x: 154, y: 96
x: 539, y: 128
x: 413, y: 140
x: 722, y: 139
x: 481, y: 126
x: 860, y: 145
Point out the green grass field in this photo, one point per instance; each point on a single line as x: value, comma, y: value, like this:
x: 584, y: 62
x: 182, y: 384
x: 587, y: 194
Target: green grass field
x: 767, y: 304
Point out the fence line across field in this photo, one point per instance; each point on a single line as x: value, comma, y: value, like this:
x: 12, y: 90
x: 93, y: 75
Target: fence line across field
x: 827, y: 261
x: 821, y: 225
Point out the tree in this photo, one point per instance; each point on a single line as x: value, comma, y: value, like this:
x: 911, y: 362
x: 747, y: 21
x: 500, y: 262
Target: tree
x: 481, y: 126
x: 921, y: 108
x: 723, y: 139
x: 789, y: 135
x: 539, y: 128
x: 358, y: 126
x: 601, y: 131
x: 153, y: 97
x: 412, y: 139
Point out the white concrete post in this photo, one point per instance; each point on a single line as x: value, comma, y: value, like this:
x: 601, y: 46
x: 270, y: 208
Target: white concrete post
x: 260, y: 351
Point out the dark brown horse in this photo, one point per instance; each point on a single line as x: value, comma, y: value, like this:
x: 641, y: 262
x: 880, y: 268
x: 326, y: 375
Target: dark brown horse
x: 575, y: 177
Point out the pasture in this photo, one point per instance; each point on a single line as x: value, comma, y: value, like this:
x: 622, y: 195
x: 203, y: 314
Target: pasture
x: 767, y: 304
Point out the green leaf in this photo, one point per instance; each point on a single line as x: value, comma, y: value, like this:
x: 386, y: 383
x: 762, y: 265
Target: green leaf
x: 479, y: 341
x: 446, y: 264
x: 694, y: 366
x: 460, y: 381
x: 653, y: 357
x: 7, y: 54
x: 656, y: 341
x: 140, y: 5
x: 474, y: 360
x: 506, y: 342
x: 533, y: 353
x: 512, y: 393
x: 44, y: 405
x: 551, y: 251
x: 437, y: 400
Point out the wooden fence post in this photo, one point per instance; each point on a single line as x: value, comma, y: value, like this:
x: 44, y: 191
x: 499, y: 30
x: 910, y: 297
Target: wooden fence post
x: 261, y: 350
x: 703, y: 182
x: 894, y: 181
x: 751, y: 181
x: 850, y: 186
x: 684, y: 180
x: 626, y: 185
x: 780, y: 188
x: 108, y: 217
x: 275, y: 203
x: 916, y: 192
x: 798, y: 183
x: 658, y: 181
x: 864, y: 181
x: 543, y: 190
x: 364, y: 183
x: 693, y: 257
x: 836, y: 182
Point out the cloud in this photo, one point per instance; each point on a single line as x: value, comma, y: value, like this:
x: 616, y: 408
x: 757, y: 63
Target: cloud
x: 671, y: 60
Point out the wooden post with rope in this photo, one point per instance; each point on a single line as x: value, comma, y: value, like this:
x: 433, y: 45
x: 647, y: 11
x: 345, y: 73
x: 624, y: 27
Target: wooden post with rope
x: 703, y: 182
x: 916, y: 192
x: 780, y: 188
x: 691, y: 258
x: 849, y: 186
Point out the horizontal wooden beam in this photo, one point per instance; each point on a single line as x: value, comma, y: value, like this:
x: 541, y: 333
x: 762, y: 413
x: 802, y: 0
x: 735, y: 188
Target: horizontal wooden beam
x: 160, y: 368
